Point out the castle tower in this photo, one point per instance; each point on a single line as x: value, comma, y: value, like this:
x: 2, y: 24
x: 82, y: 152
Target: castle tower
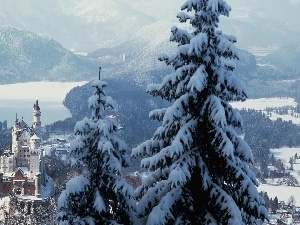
x: 36, y: 124
x: 42, y: 168
x: 16, y: 130
x: 37, y: 185
x: 35, y: 142
x: 16, y: 143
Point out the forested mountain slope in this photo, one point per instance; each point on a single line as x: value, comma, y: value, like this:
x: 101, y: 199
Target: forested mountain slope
x: 25, y: 56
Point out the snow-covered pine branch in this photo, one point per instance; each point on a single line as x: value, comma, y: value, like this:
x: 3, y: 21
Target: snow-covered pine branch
x: 100, y: 195
x: 199, y: 168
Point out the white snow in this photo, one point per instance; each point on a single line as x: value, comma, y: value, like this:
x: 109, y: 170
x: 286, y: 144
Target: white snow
x: 284, y: 192
x: 285, y: 154
x: 263, y: 103
x: 99, y: 204
x: 4, y: 203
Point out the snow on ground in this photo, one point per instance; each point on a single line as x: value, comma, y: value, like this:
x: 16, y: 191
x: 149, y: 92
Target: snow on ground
x: 47, y: 190
x: 4, y: 203
x: 47, y: 91
x: 295, y: 120
x: 284, y: 192
x: 285, y: 154
x: 263, y: 103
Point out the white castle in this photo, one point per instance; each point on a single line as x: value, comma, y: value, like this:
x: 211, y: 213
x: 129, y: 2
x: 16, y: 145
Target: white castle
x: 22, y: 169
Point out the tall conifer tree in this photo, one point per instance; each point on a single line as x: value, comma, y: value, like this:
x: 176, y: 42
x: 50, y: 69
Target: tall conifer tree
x: 199, y: 166
x: 100, y: 195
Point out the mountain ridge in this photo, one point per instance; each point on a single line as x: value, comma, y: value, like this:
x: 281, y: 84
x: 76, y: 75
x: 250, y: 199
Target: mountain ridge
x: 25, y: 56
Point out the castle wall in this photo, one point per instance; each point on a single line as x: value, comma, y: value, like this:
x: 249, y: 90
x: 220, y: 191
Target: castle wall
x: 6, y: 187
x: 34, y: 166
x: 7, y: 164
x: 37, y: 181
x: 23, y: 156
x: 29, y: 188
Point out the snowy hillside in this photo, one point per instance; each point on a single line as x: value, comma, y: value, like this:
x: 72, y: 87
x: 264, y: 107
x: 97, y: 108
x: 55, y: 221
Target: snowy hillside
x: 283, y: 63
x: 80, y: 25
x: 137, y: 58
x: 90, y: 24
x: 26, y: 56
x: 263, y: 26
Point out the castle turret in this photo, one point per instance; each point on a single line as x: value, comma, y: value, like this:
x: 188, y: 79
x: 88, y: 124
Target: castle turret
x: 16, y: 130
x: 36, y: 124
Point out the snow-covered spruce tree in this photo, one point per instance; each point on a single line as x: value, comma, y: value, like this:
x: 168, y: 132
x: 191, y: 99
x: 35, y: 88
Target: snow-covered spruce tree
x: 199, y: 166
x: 100, y: 195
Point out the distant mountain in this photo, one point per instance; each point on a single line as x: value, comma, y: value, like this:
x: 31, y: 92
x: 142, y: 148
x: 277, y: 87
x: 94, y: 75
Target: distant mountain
x: 83, y: 25
x: 279, y: 74
x: 86, y: 25
x: 137, y: 59
x: 158, y: 9
x: 283, y: 64
x: 25, y: 56
x: 259, y: 31
x: 132, y: 35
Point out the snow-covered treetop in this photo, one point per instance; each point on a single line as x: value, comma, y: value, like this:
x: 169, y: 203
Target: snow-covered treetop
x: 204, y: 61
x: 99, y: 101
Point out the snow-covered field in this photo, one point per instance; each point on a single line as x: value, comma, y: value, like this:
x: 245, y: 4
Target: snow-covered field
x: 285, y: 154
x: 263, y: 103
x: 19, y: 98
x: 284, y: 192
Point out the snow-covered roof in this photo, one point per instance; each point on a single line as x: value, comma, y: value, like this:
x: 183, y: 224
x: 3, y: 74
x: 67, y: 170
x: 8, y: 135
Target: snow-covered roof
x: 24, y: 169
x: 34, y: 137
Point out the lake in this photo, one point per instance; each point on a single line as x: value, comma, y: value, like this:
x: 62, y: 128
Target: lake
x: 19, y: 98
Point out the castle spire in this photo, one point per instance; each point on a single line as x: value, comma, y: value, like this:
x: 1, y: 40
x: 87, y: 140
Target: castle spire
x: 36, y: 105
x: 36, y: 124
